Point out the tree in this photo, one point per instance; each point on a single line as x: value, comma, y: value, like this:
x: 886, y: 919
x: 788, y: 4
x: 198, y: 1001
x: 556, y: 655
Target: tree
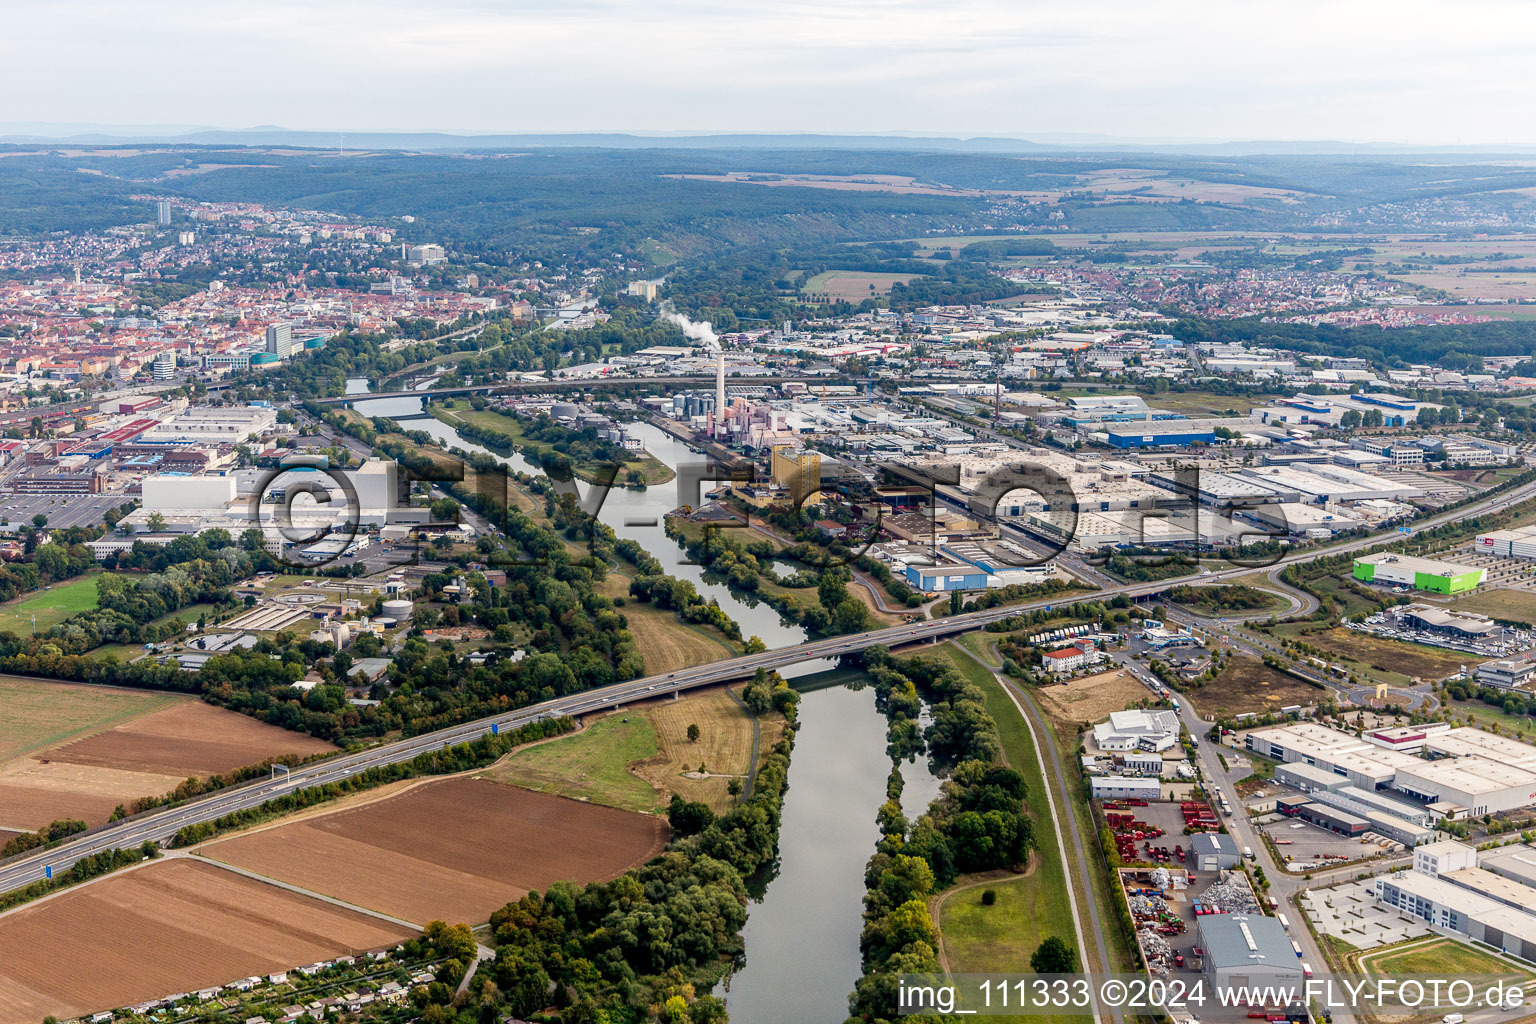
x: 40, y: 520
x: 1054, y: 957
x: 156, y: 522
x: 688, y: 817
x: 1350, y: 420
x: 693, y: 733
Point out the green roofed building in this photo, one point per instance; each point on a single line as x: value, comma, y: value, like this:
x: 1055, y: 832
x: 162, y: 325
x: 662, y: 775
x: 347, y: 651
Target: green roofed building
x: 1418, y: 573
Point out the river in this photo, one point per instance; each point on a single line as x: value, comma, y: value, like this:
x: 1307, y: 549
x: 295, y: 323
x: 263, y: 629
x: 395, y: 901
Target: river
x: 802, y: 933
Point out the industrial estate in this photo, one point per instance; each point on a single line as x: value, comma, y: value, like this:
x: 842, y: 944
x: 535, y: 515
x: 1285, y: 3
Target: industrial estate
x: 679, y: 578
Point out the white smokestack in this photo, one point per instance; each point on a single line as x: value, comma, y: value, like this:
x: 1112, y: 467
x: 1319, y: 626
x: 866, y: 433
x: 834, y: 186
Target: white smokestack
x: 719, y: 391
x: 703, y: 332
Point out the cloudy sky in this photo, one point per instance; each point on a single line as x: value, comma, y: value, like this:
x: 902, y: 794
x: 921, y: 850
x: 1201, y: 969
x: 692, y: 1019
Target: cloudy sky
x: 1398, y: 70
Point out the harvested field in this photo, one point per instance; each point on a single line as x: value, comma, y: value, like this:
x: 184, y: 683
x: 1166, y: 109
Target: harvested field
x: 668, y: 644
x: 82, y: 750
x: 190, y: 739
x: 636, y: 759
x: 209, y: 927
x: 36, y: 714
x: 853, y: 285
x: 34, y: 792
x: 455, y: 849
x: 1092, y: 697
x: 1247, y: 684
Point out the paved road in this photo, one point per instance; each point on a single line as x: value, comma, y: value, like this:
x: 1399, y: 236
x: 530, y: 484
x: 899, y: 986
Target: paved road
x: 161, y: 825
x: 1282, y: 887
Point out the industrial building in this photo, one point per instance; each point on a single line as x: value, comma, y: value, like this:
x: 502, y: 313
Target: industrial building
x: 1119, y: 787
x: 1464, y: 771
x: 1247, y: 949
x: 1517, y: 543
x: 1322, y: 485
x: 945, y: 576
x: 1484, y: 897
x: 1474, y: 784
x: 181, y: 493
x: 1214, y: 851
x: 1419, y: 573
x: 1309, y: 522
x: 1168, y: 434
x: 1137, y: 730
x: 214, y: 423
x: 1218, y: 490
x: 1334, y: 819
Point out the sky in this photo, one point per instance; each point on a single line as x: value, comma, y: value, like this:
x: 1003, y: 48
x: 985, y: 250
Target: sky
x: 1395, y: 71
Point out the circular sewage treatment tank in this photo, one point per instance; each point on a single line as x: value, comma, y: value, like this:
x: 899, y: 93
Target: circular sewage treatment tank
x: 399, y: 610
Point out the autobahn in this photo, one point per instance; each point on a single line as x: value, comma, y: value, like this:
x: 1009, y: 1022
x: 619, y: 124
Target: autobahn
x: 161, y: 825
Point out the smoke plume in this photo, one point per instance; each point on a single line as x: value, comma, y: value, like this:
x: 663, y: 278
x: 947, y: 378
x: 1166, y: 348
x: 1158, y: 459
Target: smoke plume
x: 701, y: 331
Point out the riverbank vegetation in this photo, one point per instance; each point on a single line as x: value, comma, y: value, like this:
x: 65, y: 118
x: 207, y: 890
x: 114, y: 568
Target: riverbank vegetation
x: 562, y: 451
x: 650, y: 943
x: 978, y: 823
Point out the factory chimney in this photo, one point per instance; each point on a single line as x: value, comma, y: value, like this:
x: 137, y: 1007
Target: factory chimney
x: 719, y: 393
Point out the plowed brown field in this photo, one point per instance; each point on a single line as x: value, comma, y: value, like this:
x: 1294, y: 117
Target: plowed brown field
x: 174, y: 926
x: 188, y: 739
x: 149, y: 755
x: 457, y: 849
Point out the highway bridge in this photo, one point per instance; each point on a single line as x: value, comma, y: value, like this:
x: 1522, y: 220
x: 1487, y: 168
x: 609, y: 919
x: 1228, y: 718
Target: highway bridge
x: 162, y: 824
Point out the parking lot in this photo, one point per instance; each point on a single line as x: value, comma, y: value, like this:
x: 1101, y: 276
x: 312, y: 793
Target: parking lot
x: 1350, y: 912
x: 61, y: 509
x: 1300, y: 843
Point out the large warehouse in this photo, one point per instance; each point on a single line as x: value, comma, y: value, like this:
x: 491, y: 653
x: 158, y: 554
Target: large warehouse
x: 1419, y: 573
x: 1517, y: 543
x: 1485, y: 897
x: 1321, y: 485
x: 1464, y: 772
x: 1243, y: 949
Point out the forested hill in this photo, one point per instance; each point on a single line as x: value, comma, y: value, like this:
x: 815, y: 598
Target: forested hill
x: 558, y: 203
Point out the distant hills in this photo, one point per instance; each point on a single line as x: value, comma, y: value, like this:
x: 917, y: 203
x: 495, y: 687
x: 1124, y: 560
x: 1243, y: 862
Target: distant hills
x: 447, y: 142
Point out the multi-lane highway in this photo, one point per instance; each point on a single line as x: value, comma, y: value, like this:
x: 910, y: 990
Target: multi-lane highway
x: 161, y: 825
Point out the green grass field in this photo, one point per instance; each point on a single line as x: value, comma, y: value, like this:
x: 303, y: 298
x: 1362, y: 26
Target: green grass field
x: 591, y: 765
x: 1484, y: 715
x: 1510, y: 605
x: 51, y: 607
x: 189, y: 614
x: 1030, y: 907
x: 1445, y: 958
x: 35, y: 715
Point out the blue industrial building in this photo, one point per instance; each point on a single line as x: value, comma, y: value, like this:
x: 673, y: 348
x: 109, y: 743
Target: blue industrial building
x: 1121, y: 437
x: 949, y: 576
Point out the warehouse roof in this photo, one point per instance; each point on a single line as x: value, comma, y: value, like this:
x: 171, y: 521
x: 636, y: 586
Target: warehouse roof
x: 1514, y: 861
x: 1212, y: 842
x: 1466, y: 740
x: 1245, y: 940
x: 1472, y: 775
x: 1428, y: 566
